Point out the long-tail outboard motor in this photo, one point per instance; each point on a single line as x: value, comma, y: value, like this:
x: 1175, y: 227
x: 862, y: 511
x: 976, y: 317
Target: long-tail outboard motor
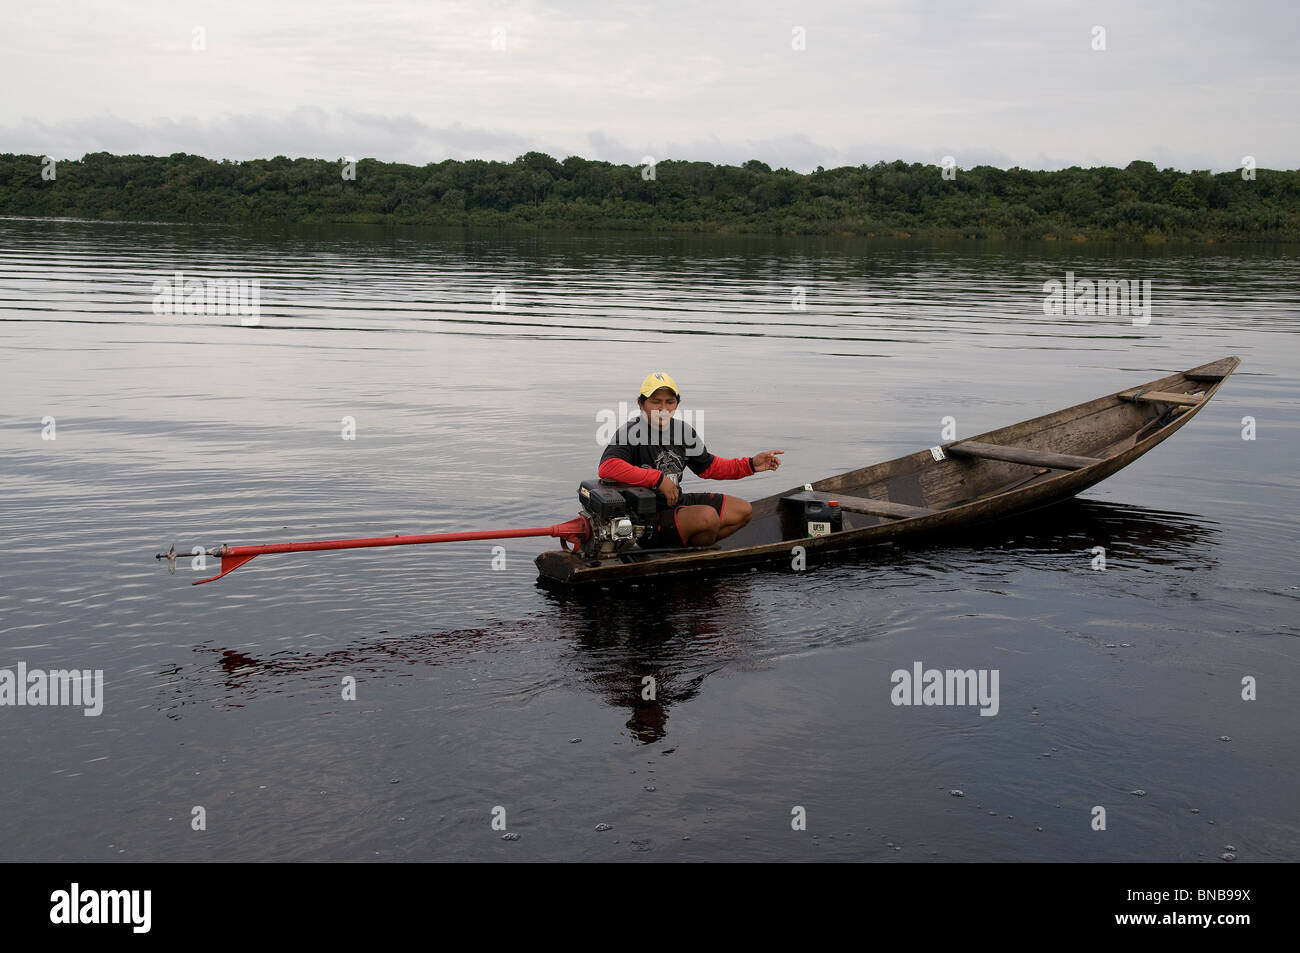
x: 619, y: 514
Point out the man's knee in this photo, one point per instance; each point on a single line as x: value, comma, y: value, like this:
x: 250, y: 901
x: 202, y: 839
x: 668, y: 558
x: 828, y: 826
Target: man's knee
x: 700, y: 519
x: 740, y: 510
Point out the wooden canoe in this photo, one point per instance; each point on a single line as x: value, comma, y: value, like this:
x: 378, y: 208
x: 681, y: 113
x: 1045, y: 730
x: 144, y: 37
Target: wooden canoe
x: 996, y: 474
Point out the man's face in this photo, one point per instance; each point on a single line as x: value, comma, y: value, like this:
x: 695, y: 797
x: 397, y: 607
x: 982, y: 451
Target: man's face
x: 659, y: 407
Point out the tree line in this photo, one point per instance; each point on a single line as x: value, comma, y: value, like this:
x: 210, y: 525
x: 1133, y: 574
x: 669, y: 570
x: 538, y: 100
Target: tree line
x: 1138, y: 202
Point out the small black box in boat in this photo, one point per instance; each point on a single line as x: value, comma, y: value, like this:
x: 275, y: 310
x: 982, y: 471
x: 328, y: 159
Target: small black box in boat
x: 814, y: 517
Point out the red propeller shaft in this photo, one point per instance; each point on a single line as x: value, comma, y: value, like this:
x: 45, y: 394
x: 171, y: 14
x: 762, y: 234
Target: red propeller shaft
x: 574, y: 532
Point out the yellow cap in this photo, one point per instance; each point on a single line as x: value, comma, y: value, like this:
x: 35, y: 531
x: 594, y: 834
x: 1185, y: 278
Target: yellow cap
x: 656, y: 380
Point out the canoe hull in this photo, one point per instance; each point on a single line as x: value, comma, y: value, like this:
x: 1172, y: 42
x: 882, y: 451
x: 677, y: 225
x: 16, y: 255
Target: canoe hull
x: 960, y: 490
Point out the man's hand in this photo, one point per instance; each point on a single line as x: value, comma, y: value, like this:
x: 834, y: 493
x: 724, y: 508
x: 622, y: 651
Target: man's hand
x: 669, y: 489
x: 767, y: 460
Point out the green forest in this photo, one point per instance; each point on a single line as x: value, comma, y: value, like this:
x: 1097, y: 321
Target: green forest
x: 1136, y: 203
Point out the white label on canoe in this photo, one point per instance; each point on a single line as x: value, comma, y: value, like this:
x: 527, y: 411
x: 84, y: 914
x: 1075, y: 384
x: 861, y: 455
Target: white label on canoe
x: 937, y: 453
x: 819, y: 529
x: 808, y: 487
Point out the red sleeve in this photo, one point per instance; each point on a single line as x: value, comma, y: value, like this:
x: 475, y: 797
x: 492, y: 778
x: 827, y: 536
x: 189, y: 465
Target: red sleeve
x: 624, y: 472
x: 723, y: 469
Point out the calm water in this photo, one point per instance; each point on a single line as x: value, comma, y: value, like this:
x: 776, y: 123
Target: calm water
x: 478, y: 689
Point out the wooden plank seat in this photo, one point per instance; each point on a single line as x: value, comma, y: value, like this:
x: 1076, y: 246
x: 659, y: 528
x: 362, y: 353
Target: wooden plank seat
x: 1161, y: 397
x: 861, y: 504
x: 1033, y: 458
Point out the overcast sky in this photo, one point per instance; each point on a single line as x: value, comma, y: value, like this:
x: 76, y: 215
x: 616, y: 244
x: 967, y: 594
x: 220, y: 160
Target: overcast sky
x: 1181, y: 83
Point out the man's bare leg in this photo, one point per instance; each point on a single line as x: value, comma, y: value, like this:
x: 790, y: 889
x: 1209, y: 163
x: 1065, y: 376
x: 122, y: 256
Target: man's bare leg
x: 701, y: 525
x: 736, y: 514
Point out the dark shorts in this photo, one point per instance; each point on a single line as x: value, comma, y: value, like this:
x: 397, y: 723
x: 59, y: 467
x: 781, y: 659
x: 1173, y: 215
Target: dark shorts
x: 665, y: 531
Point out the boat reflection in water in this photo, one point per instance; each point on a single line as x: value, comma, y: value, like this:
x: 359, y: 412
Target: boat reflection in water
x: 1137, y: 534
x: 678, y: 631
x: 650, y: 645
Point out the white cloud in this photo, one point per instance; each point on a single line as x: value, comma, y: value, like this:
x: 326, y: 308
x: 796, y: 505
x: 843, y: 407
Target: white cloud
x: 1009, y: 82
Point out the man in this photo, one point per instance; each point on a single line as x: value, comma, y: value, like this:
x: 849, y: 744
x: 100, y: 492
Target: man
x: 653, y: 449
